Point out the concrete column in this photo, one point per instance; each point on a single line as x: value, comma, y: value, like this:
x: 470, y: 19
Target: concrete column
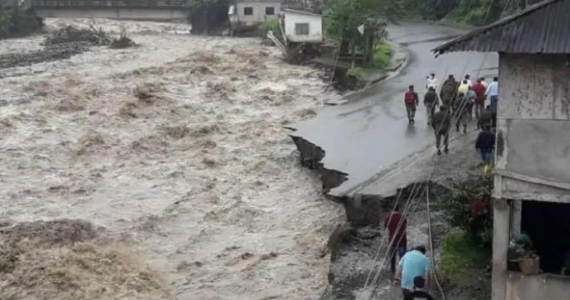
x: 501, y: 223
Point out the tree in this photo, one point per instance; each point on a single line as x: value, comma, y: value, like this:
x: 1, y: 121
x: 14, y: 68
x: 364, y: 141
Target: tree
x: 343, y: 17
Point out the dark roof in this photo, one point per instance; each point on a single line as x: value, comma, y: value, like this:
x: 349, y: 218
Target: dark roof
x: 541, y: 28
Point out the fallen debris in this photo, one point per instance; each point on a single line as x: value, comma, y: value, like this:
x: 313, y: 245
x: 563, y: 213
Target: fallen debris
x: 49, y: 53
x: 70, y: 34
x: 123, y: 41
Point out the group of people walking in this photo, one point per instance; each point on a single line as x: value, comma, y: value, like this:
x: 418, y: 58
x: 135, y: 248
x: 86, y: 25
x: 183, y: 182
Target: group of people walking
x: 457, y: 101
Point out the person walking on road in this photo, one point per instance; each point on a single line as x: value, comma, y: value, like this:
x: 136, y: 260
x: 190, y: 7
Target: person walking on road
x: 448, y: 90
x: 413, y: 264
x: 468, y: 79
x: 431, y: 101
x: 463, y: 87
x: 441, y: 123
x: 462, y: 113
x: 483, y: 82
x: 396, y: 224
x: 493, y: 93
x: 485, y: 144
x: 479, y: 89
x: 487, y: 119
x: 419, y: 293
x: 432, y: 82
x: 411, y: 100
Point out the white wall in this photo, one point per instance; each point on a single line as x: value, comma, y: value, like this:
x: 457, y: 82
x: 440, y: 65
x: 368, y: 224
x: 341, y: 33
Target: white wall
x: 315, y: 27
x: 258, y: 15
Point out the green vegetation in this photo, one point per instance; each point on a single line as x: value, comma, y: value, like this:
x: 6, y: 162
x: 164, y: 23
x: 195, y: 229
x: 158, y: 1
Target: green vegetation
x: 381, y: 55
x: 469, y: 208
x: 460, y: 255
x: 14, y: 23
x: 357, y: 72
x: 472, y: 12
x: 270, y: 25
x: 342, y: 17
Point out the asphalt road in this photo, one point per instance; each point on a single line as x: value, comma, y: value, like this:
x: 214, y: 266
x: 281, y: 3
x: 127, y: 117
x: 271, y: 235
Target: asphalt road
x: 368, y: 136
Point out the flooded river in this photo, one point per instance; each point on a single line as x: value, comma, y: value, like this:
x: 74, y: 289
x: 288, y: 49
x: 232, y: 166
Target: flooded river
x: 177, y: 149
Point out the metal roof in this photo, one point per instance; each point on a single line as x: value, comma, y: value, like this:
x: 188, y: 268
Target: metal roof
x: 541, y: 28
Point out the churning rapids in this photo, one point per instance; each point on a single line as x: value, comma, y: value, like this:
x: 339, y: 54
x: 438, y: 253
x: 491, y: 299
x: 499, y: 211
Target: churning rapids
x: 175, y: 155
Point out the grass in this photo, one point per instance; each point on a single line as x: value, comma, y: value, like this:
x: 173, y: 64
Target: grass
x: 459, y: 256
x: 382, y: 55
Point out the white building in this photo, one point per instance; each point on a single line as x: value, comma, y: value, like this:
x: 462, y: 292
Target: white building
x: 302, y: 27
x: 248, y: 13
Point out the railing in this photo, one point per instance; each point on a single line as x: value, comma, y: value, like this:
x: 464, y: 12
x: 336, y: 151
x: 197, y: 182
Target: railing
x: 110, y: 3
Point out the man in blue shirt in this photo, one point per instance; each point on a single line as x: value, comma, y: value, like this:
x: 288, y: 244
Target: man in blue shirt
x: 413, y: 264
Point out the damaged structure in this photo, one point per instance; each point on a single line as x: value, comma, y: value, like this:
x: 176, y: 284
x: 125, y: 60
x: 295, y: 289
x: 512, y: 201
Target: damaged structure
x: 532, y: 173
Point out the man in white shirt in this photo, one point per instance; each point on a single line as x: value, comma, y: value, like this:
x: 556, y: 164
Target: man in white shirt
x: 432, y: 82
x: 468, y: 79
x: 493, y: 93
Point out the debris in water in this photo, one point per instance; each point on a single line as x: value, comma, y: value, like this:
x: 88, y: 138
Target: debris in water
x: 71, y: 34
x: 123, y: 41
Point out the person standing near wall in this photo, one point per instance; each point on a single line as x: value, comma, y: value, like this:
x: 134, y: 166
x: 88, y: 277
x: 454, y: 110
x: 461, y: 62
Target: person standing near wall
x: 396, y: 225
x: 493, y: 93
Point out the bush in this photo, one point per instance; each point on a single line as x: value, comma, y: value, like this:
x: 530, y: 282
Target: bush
x: 270, y: 25
x: 469, y: 208
x: 356, y: 72
x: 459, y: 255
x: 14, y: 23
x: 382, y: 55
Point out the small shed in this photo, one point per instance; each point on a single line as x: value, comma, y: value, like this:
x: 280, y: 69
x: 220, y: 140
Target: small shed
x: 302, y: 26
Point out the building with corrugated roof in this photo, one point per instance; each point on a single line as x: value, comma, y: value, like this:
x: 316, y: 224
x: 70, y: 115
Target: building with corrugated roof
x: 532, y: 159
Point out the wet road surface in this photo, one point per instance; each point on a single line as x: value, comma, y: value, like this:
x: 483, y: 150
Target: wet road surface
x: 365, y: 137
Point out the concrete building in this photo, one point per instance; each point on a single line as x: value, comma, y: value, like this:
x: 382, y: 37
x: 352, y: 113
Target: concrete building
x: 250, y: 13
x: 532, y: 172
x: 302, y: 27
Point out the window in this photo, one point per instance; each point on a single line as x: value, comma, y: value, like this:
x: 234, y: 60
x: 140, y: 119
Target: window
x: 302, y: 28
x: 270, y: 11
x: 248, y: 11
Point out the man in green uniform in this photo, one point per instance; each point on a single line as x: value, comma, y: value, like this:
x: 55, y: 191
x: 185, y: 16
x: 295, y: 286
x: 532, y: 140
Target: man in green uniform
x: 448, y: 90
x: 441, y: 124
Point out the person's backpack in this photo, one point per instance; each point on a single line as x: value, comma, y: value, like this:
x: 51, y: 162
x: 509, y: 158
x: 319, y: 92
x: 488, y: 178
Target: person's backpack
x: 409, y: 98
